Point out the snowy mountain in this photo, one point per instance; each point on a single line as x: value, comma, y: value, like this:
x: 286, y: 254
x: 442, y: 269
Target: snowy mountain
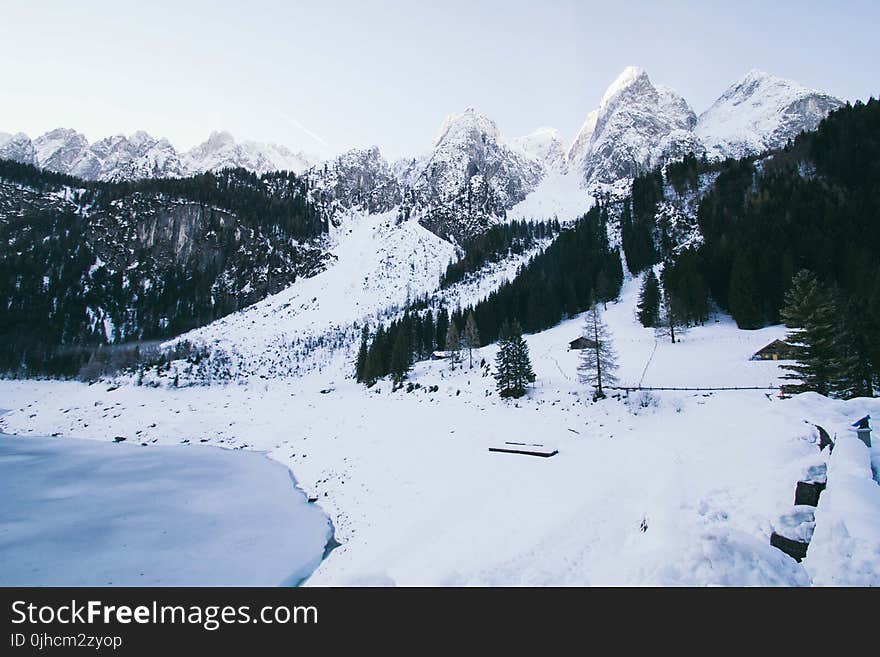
x: 141, y: 155
x: 760, y: 112
x: 636, y: 126
x: 58, y: 150
x: 469, y: 179
x: 128, y: 158
x: 221, y: 151
x: 17, y: 147
x: 639, y: 125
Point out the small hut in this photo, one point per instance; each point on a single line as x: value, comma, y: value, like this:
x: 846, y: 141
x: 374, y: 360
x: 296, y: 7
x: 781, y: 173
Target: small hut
x: 581, y: 343
x: 776, y: 350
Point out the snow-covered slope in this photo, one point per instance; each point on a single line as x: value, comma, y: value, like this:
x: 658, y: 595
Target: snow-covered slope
x: 760, y: 112
x: 221, y: 151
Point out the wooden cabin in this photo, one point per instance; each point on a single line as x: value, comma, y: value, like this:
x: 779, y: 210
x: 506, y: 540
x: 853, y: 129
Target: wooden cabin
x: 581, y: 343
x: 776, y: 350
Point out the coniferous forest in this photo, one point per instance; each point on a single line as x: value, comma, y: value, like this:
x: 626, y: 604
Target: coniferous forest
x: 813, y: 206
x: 578, y: 268
x: 91, y: 264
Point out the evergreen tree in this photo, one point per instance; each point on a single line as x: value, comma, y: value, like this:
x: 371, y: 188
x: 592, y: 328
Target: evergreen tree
x: 471, y: 338
x: 809, y: 314
x: 401, y: 353
x: 504, y: 362
x: 363, y: 351
x: 513, y: 368
x: 522, y: 364
x: 649, y: 300
x: 598, y: 361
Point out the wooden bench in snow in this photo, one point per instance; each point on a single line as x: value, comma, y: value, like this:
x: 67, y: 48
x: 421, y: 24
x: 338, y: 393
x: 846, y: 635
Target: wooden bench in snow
x: 530, y: 449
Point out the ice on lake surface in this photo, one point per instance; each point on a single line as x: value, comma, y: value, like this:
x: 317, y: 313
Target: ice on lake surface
x: 84, y: 513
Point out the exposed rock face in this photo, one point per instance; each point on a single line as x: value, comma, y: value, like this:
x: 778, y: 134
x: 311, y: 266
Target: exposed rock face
x: 761, y: 112
x: 359, y: 179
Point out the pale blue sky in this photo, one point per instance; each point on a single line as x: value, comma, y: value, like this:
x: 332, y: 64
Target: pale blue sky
x: 308, y: 74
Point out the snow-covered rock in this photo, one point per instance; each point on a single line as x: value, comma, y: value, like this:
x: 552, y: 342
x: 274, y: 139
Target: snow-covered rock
x: 359, y: 179
x: 760, y: 112
x: 59, y: 149
x: 580, y: 148
x: 128, y: 158
x: 469, y: 179
x: 222, y: 151
x: 17, y: 147
x: 637, y: 126
x: 546, y: 146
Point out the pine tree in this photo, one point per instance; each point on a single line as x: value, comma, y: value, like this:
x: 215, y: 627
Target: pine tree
x: 363, y: 352
x: 810, y: 316
x: 504, y: 361
x: 513, y: 368
x: 401, y: 351
x: 598, y: 361
x: 522, y: 364
x: 649, y: 300
x: 471, y: 338
x: 453, y: 345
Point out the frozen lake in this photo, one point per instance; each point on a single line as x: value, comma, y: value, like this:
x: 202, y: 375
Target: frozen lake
x: 86, y: 513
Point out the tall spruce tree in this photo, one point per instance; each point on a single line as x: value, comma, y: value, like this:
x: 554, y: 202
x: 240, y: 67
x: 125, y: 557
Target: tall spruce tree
x: 523, y: 374
x: 809, y: 314
x: 513, y: 367
x: 401, y: 353
x: 598, y: 360
x: 649, y: 300
x: 363, y: 352
x: 504, y: 362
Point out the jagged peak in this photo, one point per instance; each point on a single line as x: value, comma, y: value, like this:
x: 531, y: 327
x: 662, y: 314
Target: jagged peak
x: 468, y: 120
x: 627, y: 77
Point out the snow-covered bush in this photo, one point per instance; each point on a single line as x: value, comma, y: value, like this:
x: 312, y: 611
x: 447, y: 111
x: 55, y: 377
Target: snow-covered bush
x: 643, y: 400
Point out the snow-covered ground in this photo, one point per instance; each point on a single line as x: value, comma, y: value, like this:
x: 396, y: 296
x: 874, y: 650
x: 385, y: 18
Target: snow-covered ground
x: 665, y: 488
x: 81, y: 513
